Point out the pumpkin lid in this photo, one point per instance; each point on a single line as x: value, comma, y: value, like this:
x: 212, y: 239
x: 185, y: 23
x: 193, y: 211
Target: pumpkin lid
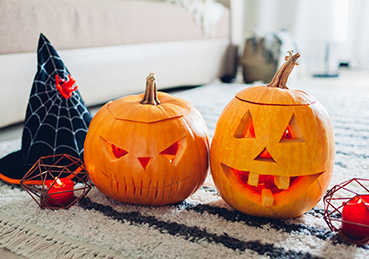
x: 149, y: 107
x: 274, y: 96
x: 130, y: 108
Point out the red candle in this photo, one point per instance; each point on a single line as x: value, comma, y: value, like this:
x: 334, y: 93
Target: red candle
x: 61, y: 192
x: 355, y: 211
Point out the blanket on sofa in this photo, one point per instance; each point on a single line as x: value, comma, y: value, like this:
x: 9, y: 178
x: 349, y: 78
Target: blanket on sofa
x: 202, y: 226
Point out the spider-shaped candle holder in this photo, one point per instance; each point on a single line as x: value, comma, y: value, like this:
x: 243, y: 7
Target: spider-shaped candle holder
x: 347, y: 211
x: 57, y: 182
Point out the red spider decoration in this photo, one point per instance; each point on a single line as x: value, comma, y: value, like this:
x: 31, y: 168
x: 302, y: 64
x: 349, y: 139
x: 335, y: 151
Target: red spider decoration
x: 65, y: 87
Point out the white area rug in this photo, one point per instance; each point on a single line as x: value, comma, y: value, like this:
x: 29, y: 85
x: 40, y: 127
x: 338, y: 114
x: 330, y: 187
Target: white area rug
x: 203, y: 226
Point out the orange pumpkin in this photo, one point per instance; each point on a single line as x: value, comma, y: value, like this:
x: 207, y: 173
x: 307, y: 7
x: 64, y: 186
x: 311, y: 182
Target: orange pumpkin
x: 149, y: 149
x: 273, y: 149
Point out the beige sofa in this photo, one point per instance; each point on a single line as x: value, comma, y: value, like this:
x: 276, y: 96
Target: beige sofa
x: 110, y: 46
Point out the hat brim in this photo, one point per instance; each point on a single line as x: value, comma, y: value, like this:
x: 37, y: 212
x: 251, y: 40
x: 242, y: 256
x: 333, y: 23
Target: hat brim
x: 12, y: 168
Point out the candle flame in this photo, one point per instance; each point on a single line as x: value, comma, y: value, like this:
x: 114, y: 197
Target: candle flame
x: 58, y: 181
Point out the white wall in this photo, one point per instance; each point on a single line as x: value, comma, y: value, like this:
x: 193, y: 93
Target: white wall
x: 299, y: 17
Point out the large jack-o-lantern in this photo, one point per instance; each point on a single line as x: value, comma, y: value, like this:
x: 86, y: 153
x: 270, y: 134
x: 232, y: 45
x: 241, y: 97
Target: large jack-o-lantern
x: 273, y: 149
x: 149, y: 149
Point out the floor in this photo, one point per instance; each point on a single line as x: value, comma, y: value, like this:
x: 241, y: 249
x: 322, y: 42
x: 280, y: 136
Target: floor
x: 347, y: 80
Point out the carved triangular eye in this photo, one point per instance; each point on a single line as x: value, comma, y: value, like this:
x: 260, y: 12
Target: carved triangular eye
x: 287, y: 134
x: 245, y: 128
x: 118, y: 152
x: 174, y: 152
x: 170, y: 152
x: 112, y: 150
x: 293, y: 132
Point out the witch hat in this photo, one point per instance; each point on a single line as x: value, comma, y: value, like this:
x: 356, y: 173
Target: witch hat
x: 56, y: 119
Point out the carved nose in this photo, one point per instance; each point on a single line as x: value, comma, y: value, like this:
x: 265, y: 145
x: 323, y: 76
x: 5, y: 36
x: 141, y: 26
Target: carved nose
x: 265, y: 156
x: 144, y: 161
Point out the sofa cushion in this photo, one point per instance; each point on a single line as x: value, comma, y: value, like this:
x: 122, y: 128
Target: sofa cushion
x: 72, y: 24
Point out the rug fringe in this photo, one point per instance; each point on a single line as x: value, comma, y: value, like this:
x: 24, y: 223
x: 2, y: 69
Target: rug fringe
x: 35, y: 245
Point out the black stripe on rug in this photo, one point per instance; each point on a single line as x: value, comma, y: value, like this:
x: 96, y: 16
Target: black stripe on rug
x: 340, y: 164
x: 351, y: 145
x: 349, y: 122
x: 348, y: 128
x: 193, y: 234
x: 277, y: 224
x: 350, y: 135
x: 352, y: 154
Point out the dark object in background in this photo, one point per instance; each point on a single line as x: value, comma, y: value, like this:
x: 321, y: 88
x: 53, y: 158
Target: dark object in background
x: 263, y: 54
x: 231, y: 64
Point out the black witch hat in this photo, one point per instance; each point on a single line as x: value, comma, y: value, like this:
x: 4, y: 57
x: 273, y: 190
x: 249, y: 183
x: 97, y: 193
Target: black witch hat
x: 56, y: 120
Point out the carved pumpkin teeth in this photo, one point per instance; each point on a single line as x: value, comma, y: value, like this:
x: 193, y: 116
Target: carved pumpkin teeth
x: 137, y: 188
x: 282, y: 182
x: 270, y: 190
x: 267, y: 198
x: 253, y: 179
x: 259, y: 182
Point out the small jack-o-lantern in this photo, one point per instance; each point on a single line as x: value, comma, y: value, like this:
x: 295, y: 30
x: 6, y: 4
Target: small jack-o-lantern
x: 149, y: 149
x: 273, y: 149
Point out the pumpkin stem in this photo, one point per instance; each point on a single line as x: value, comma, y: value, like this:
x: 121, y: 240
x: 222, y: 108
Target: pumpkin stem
x: 280, y: 78
x: 150, y: 96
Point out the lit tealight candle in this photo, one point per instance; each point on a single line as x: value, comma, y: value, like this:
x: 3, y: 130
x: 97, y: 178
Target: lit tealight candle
x: 356, y: 212
x: 61, y: 192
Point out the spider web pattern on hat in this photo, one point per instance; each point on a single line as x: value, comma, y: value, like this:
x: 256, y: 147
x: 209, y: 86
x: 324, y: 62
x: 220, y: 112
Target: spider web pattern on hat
x: 53, y: 125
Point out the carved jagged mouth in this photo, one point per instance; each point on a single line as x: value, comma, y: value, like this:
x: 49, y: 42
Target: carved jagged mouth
x: 268, y: 188
x: 159, y: 188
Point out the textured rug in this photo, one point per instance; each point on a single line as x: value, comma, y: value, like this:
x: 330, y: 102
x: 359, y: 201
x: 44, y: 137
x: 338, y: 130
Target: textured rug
x: 202, y: 226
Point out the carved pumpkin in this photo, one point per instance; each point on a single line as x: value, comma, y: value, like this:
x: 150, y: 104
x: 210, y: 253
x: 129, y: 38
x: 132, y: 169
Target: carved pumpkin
x: 273, y: 149
x: 149, y: 149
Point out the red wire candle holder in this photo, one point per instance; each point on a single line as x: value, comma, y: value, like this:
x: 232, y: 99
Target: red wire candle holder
x: 347, y: 211
x: 57, y: 182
